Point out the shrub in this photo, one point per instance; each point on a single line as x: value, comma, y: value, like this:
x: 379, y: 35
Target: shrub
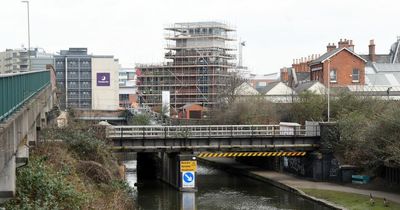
x: 140, y: 119
x: 39, y: 187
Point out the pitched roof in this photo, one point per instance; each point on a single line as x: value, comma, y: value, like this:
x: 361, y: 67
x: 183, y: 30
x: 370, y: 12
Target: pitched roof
x: 246, y: 89
x: 387, y: 67
x: 267, y: 88
x: 383, y: 74
x: 304, y: 86
x: 332, y: 53
x: 378, y: 58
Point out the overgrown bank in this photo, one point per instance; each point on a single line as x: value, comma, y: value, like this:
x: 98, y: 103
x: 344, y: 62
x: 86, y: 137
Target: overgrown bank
x: 367, y: 132
x: 71, y: 168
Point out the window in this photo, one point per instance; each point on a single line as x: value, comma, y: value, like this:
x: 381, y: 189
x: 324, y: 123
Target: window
x: 131, y: 76
x: 356, y: 75
x: 332, y: 75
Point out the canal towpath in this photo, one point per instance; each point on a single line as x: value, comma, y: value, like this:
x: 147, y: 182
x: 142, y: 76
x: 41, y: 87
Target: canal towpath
x: 293, y: 183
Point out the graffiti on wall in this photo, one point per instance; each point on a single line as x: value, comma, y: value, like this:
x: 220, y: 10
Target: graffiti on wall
x: 296, y: 165
x: 334, y: 168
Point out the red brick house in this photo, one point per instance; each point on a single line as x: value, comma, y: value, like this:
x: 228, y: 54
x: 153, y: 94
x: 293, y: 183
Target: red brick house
x: 191, y: 111
x: 346, y: 67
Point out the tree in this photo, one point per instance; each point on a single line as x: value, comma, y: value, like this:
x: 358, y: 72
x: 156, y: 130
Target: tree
x: 255, y: 110
x: 228, y: 93
x: 309, y: 106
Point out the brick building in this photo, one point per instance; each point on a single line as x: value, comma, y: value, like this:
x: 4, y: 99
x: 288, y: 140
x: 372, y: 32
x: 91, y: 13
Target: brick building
x: 299, y: 72
x: 346, y: 67
x: 261, y: 80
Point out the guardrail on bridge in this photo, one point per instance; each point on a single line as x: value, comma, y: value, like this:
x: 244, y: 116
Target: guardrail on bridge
x: 207, y: 131
x: 17, y: 88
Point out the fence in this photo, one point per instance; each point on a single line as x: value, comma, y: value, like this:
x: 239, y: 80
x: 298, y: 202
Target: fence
x: 204, y: 131
x: 17, y: 88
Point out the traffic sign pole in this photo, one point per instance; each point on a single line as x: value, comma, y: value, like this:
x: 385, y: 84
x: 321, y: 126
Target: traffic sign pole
x: 187, y: 171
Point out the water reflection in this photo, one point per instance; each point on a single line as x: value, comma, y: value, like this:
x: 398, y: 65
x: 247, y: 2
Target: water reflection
x: 216, y: 190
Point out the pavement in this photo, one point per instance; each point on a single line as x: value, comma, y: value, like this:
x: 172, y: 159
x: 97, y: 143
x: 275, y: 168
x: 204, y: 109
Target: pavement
x: 299, y: 183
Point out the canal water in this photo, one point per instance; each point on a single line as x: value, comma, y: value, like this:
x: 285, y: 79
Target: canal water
x: 217, y: 190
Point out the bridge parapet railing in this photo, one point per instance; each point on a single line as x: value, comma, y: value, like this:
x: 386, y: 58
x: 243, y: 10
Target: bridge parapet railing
x: 17, y: 88
x: 204, y: 131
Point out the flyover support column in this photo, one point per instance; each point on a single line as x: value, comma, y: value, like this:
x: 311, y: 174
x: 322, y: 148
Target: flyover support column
x: 8, y: 145
x: 8, y: 180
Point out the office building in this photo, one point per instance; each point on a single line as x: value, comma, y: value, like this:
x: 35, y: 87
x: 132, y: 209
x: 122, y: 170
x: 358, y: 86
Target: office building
x: 87, y: 81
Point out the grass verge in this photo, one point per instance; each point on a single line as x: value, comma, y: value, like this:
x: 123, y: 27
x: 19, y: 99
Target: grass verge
x: 351, y: 201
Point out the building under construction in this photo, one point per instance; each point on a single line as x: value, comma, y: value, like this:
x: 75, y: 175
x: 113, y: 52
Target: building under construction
x: 200, y: 57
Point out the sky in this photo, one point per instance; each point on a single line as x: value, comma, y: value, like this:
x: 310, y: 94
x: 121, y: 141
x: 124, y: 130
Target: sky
x: 276, y: 32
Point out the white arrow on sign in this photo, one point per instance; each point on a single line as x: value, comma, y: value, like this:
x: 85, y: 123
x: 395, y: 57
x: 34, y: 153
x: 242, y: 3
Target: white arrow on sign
x: 188, y: 178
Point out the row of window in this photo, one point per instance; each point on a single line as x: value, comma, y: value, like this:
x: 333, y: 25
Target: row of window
x: 86, y: 74
x: 355, y: 75
x: 79, y: 105
x: 202, y: 31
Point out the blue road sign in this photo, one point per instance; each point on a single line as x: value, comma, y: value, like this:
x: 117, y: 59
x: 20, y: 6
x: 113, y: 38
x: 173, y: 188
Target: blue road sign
x: 188, y: 179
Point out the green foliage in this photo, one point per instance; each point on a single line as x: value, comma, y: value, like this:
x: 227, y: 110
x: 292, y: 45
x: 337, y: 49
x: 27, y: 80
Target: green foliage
x: 309, y: 106
x: 369, y: 135
x: 140, y: 119
x: 84, y: 144
x: 249, y: 111
x: 121, y: 185
x: 81, y: 139
x: 385, y: 135
x: 39, y: 187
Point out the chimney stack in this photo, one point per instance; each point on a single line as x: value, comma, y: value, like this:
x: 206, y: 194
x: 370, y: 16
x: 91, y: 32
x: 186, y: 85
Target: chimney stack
x: 330, y: 47
x: 346, y: 43
x: 371, y: 46
x: 351, y: 45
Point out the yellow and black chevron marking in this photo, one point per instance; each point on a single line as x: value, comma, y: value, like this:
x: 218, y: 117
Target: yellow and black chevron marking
x: 251, y: 154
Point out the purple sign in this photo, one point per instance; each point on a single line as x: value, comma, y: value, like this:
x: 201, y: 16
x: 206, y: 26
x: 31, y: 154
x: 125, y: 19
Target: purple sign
x: 103, y: 79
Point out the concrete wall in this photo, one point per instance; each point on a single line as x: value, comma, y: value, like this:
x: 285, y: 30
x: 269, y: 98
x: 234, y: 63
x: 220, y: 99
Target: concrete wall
x: 105, y: 97
x: 18, y: 131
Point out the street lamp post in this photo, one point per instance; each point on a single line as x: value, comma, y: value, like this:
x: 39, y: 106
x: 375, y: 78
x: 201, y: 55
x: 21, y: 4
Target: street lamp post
x: 329, y: 88
x: 29, y: 36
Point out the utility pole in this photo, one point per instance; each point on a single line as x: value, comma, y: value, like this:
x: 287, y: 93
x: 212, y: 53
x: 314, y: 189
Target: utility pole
x: 388, y: 93
x: 29, y: 36
x: 241, y: 45
x: 329, y: 88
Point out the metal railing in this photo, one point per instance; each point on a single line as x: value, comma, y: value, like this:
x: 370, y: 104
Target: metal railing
x: 207, y: 131
x: 17, y: 88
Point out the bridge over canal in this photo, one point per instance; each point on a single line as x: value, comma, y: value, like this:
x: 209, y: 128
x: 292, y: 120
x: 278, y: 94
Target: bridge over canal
x: 223, y: 138
x: 171, y: 151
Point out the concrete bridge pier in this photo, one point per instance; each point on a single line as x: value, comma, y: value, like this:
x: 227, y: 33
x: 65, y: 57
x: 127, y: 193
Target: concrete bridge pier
x: 8, y: 180
x: 168, y: 168
x: 182, y: 171
x: 176, y: 169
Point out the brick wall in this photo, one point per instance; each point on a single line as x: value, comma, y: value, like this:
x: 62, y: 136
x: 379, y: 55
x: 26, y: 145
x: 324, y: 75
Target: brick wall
x: 344, y: 62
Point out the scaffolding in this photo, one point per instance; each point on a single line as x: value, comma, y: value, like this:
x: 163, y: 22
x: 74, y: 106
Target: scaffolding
x: 199, y: 58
